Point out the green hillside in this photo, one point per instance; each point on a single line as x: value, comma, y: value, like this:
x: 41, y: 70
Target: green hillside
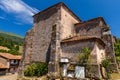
x: 12, y: 41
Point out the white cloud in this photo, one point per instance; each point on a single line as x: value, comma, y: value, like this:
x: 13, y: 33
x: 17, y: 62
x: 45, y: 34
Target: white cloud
x: 17, y: 23
x: 2, y: 17
x: 20, y: 9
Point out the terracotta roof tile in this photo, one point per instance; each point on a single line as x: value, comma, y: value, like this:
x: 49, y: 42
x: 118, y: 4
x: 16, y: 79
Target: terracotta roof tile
x: 79, y: 38
x: 91, y: 20
x: 2, y: 66
x: 9, y: 56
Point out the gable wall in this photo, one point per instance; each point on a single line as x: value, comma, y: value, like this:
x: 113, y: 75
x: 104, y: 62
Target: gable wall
x: 67, y: 24
x: 89, y: 29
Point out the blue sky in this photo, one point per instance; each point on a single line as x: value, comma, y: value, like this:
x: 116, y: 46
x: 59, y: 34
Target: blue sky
x: 16, y: 15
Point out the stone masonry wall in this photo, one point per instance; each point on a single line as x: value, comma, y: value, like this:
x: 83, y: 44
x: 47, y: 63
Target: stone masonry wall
x: 42, y: 37
x: 72, y: 49
x: 67, y: 24
x: 28, y: 46
x: 89, y: 29
x: 4, y: 61
x: 97, y: 54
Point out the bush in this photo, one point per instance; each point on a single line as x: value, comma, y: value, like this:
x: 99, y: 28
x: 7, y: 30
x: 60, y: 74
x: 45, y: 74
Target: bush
x: 36, y: 69
x: 28, y: 71
x: 84, y: 56
x: 106, y: 64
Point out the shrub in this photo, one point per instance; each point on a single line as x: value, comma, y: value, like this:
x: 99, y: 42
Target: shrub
x: 84, y: 56
x: 106, y: 64
x: 36, y: 69
x: 28, y: 71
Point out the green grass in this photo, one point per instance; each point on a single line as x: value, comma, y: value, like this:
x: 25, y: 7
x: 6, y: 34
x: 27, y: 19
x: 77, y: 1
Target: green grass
x: 21, y: 49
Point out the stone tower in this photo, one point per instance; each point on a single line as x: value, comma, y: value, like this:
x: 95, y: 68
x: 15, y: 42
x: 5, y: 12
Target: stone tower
x: 42, y: 42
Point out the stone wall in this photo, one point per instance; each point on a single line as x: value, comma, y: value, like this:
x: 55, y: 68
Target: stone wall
x: 109, y: 47
x: 4, y: 61
x: 67, y: 24
x: 38, y: 42
x: 72, y: 49
x: 28, y: 46
x: 98, y: 54
x: 89, y: 29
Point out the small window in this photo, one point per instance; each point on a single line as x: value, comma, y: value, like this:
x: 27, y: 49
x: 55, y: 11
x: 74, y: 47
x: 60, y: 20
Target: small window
x: 12, y: 61
x: 54, y: 28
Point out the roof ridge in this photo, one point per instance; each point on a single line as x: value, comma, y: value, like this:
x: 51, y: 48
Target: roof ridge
x: 79, y: 38
x: 59, y: 4
x: 91, y: 20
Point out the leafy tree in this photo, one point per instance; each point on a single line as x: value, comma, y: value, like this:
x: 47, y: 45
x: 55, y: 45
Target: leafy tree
x: 17, y: 47
x: 3, y: 51
x: 10, y: 41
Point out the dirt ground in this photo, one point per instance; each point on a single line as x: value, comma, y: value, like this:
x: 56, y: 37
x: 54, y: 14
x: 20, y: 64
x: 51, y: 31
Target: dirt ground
x: 9, y: 77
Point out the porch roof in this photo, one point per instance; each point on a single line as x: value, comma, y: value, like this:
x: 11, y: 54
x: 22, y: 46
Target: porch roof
x: 10, y: 56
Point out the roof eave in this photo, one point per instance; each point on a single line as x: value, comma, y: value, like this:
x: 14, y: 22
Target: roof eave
x: 58, y: 5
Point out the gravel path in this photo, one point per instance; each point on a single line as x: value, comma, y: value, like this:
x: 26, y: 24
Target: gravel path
x: 9, y: 77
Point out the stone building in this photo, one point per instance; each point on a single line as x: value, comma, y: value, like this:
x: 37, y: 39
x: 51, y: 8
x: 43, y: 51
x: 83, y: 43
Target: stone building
x: 9, y: 63
x: 3, y: 69
x: 58, y: 37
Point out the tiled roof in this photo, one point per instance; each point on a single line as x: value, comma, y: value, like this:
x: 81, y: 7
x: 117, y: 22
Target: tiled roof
x: 80, y: 38
x: 10, y: 56
x: 91, y: 20
x: 58, y: 5
x: 2, y: 66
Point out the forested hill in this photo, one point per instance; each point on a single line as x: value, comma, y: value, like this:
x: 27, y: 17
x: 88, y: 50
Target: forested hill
x: 10, y: 43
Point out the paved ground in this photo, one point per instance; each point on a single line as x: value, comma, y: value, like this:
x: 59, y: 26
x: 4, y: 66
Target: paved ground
x: 9, y: 77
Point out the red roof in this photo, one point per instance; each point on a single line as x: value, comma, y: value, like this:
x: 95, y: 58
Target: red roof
x: 80, y: 38
x: 10, y: 56
x: 90, y: 21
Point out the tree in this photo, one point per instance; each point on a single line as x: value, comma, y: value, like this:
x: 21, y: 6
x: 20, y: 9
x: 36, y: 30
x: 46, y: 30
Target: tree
x: 84, y: 56
x: 17, y: 47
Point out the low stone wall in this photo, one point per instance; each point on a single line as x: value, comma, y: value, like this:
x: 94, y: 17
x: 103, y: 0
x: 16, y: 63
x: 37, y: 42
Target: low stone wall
x: 93, y: 71
x: 113, y: 68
